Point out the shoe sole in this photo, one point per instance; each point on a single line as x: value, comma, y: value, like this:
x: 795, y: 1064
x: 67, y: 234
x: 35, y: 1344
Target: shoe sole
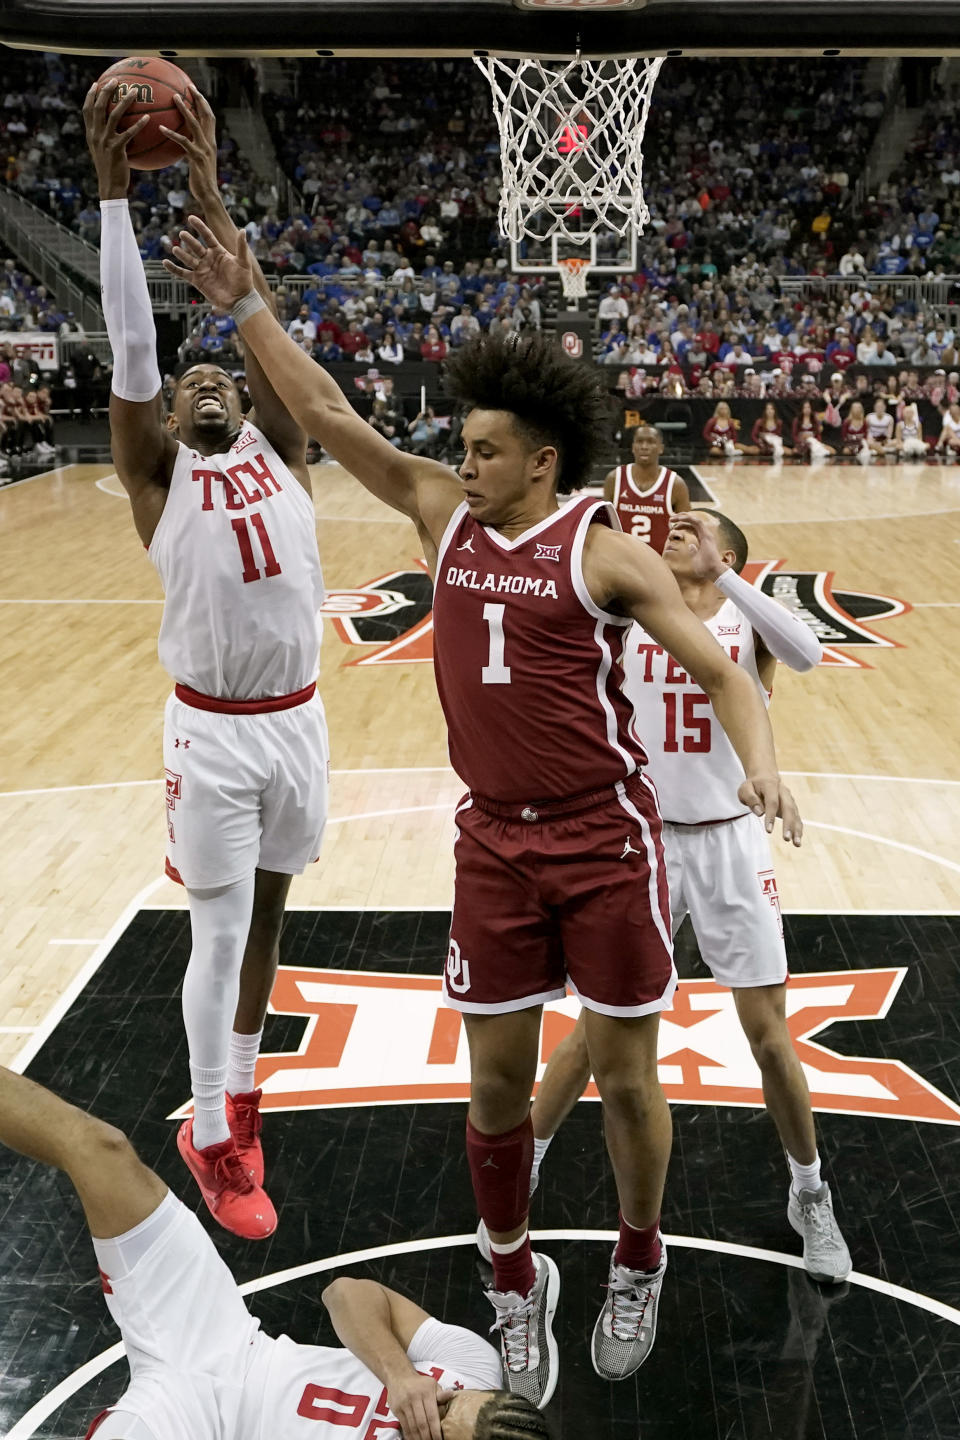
x: 553, y: 1350
x: 797, y: 1224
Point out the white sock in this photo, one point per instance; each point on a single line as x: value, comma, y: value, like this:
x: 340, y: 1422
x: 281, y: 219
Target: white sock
x: 242, y: 1066
x: 805, y: 1177
x: 209, y: 1110
x: 540, y: 1148
x: 511, y: 1247
x: 219, y: 922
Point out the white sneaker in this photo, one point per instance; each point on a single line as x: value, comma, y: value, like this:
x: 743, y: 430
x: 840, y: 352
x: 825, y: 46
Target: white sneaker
x: 627, y: 1325
x: 825, y: 1254
x: 531, y: 1360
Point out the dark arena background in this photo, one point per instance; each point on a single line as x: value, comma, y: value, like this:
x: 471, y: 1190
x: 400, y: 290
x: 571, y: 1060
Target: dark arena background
x: 802, y: 170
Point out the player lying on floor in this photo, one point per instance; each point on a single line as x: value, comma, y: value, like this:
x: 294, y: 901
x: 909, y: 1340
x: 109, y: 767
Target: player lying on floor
x: 200, y: 1368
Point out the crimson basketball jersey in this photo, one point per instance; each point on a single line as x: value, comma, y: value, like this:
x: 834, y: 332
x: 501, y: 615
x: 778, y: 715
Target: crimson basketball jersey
x: 692, y: 763
x: 528, y: 667
x: 236, y: 551
x: 644, y: 513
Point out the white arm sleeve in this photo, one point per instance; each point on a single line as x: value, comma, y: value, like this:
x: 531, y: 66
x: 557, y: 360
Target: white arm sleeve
x: 785, y: 636
x: 126, y: 306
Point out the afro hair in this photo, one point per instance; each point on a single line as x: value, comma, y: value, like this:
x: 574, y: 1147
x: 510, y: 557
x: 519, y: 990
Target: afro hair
x: 553, y: 399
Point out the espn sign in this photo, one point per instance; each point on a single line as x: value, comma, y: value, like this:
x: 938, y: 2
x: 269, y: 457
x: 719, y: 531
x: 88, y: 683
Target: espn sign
x: 377, y: 1039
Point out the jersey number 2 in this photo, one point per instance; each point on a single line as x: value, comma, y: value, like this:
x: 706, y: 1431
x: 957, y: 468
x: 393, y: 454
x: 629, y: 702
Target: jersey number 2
x: 250, y: 569
x: 640, y: 527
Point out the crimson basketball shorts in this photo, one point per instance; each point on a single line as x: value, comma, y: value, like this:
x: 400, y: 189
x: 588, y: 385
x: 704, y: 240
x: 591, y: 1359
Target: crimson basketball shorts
x: 566, y: 893
x: 245, y: 788
x: 722, y: 877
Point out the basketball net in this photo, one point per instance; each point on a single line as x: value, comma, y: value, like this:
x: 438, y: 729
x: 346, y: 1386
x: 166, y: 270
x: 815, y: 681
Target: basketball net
x: 573, y: 276
x: 571, y: 144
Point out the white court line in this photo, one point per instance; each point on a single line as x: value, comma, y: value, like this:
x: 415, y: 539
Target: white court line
x: 81, y: 602
x: 894, y: 779
x: 103, y: 485
x: 884, y: 840
x: 74, y: 942
x: 379, y: 814
x: 69, y: 789
x: 27, y: 1425
x: 60, y: 1006
x: 41, y: 475
x: 17, y: 1029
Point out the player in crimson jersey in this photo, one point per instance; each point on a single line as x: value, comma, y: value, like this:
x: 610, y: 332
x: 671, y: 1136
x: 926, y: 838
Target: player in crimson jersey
x: 560, y: 877
x: 718, y: 857
x: 223, y: 506
x: 199, y: 1367
x: 645, y: 494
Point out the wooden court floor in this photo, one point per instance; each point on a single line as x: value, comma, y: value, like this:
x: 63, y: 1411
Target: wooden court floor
x: 870, y: 742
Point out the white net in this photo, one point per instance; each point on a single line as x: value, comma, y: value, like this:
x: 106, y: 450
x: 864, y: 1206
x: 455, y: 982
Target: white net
x: 571, y: 144
x: 573, y: 278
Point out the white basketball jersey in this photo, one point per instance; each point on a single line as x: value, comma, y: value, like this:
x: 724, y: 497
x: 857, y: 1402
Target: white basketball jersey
x: 236, y: 551
x: 692, y: 763
x: 309, y: 1392
x: 910, y: 430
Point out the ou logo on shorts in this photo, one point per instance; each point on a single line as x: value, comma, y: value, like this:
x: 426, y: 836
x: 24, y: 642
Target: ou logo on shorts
x: 458, y: 970
x: 572, y: 343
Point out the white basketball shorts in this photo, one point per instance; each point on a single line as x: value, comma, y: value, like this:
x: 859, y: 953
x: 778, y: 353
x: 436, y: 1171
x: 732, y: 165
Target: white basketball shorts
x: 722, y: 876
x: 243, y: 791
x: 189, y: 1338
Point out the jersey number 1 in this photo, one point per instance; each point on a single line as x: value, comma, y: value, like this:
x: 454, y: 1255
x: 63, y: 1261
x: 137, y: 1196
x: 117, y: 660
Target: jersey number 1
x: 495, y: 672
x: 250, y: 569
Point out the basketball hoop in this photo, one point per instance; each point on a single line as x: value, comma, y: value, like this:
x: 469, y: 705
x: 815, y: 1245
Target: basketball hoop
x: 573, y: 276
x: 571, y: 144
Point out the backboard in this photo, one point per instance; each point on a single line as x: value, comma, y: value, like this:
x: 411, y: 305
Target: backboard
x: 509, y: 27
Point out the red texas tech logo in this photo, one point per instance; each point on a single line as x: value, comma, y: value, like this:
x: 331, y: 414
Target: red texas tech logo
x: 171, y: 797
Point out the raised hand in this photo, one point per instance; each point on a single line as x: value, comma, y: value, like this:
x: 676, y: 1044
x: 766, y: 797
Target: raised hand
x: 108, y: 147
x: 198, y: 142
x: 221, y: 277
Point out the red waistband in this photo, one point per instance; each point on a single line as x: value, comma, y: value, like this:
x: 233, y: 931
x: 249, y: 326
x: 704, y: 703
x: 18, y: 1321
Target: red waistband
x: 533, y: 810
x: 244, y: 707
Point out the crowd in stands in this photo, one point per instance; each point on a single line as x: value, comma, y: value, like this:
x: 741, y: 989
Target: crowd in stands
x: 749, y: 170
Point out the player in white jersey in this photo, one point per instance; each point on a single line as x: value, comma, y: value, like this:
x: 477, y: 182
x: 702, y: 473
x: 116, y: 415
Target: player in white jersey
x: 719, y: 866
x: 199, y: 1367
x: 645, y: 494
x: 223, y: 506
x: 880, y: 428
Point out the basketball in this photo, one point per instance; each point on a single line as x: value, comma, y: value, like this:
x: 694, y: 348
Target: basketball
x: 155, y: 82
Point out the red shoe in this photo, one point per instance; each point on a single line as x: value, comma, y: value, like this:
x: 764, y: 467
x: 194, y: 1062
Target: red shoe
x: 231, y: 1196
x: 246, y: 1122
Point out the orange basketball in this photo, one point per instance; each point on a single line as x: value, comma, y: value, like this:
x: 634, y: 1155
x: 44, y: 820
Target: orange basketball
x: 155, y: 82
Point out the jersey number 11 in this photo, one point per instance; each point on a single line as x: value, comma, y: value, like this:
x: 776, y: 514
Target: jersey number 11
x: 250, y: 568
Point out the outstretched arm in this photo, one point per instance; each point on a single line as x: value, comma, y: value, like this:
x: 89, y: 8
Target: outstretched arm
x: 378, y: 1325
x: 116, y: 1189
x: 622, y: 573
x: 422, y: 489
x: 784, y: 636
x: 143, y: 451
x: 199, y: 143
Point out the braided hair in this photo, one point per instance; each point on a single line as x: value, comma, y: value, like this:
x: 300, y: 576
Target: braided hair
x: 511, y: 1417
